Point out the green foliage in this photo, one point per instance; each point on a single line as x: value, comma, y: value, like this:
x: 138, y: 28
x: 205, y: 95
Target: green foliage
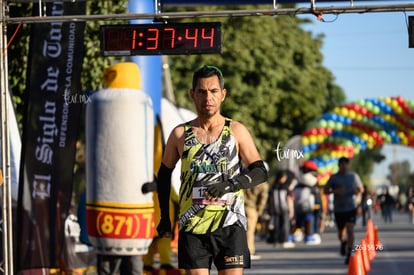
x: 273, y: 70
x: 399, y: 174
x: 274, y: 76
x: 93, y: 64
x: 363, y: 163
x: 18, y: 51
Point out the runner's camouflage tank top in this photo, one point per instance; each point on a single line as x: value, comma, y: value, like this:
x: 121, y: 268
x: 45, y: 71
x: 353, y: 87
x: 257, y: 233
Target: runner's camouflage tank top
x: 203, y: 164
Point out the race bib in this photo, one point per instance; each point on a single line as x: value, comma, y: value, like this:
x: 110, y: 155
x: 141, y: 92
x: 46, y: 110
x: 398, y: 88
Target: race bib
x: 199, y: 197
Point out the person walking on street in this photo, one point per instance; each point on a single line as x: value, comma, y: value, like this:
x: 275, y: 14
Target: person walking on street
x: 255, y: 200
x: 410, y: 204
x: 346, y: 186
x: 366, y: 205
x: 387, y: 203
x: 280, y: 209
x: 212, y: 148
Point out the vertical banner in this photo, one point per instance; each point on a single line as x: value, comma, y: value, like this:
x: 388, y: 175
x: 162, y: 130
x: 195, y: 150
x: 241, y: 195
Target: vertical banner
x: 51, y: 124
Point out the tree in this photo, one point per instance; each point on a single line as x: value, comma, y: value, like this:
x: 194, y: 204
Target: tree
x: 399, y: 174
x: 363, y: 163
x: 93, y: 65
x: 273, y: 70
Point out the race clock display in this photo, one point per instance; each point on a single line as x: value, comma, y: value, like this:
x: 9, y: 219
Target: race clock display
x: 156, y: 39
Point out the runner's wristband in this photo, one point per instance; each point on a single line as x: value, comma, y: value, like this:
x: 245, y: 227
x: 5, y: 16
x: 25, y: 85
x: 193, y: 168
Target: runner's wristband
x: 257, y: 174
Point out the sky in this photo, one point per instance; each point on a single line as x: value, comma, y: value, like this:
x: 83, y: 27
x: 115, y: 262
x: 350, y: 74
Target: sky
x: 369, y: 56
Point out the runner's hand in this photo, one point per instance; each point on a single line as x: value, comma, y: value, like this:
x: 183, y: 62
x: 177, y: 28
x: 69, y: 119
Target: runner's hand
x: 164, y: 227
x: 216, y: 190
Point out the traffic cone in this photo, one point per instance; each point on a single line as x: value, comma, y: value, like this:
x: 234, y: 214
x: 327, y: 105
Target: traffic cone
x: 370, y: 239
x: 377, y: 242
x: 356, y: 266
x: 365, y: 254
x: 370, y: 231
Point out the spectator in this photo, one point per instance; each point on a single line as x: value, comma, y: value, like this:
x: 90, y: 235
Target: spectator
x: 280, y: 209
x: 304, y: 201
x: 410, y: 204
x: 366, y: 205
x: 255, y: 200
x: 317, y: 212
x: 386, y: 202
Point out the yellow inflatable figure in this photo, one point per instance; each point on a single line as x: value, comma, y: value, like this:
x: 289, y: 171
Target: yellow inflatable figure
x: 119, y: 159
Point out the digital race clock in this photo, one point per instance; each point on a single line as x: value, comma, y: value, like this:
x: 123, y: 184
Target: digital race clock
x: 153, y: 39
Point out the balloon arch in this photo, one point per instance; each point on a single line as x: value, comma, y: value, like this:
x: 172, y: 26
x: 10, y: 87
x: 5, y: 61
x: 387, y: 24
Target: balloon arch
x: 354, y: 127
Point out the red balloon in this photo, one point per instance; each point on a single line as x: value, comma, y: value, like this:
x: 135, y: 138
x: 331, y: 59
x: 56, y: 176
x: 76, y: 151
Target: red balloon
x: 400, y: 99
x: 357, y: 108
x: 322, y: 131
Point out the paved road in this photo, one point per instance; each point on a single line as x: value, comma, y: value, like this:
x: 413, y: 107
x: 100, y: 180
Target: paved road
x: 398, y: 254
x: 396, y: 258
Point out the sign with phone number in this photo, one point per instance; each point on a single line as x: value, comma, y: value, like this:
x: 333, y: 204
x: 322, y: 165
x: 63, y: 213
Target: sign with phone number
x: 120, y: 223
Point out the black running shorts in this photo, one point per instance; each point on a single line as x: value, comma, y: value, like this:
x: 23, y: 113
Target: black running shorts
x: 226, y: 247
x: 341, y: 218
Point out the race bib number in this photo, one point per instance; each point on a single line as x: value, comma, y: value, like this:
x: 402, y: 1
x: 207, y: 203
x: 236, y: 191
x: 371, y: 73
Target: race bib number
x: 199, y: 197
x: 198, y: 192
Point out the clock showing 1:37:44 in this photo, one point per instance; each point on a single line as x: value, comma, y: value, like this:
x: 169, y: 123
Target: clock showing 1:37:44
x: 155, y: 39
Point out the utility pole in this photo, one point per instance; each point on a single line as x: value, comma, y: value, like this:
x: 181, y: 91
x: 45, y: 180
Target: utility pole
x: 6, y: 225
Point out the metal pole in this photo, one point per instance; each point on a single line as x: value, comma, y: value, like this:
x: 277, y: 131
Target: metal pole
x: 169, y: 90
x: 213, y: 14
x: 5, y: 148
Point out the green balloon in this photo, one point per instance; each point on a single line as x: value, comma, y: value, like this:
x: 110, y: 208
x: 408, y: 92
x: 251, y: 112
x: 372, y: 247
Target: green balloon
x: 369, y: 105
x: 338, y: 126
x: 331, y: 124
x: 323, y: 123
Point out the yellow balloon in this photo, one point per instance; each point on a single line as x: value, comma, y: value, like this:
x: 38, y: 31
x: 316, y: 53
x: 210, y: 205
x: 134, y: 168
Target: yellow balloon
x: 394, y: 103
x: 389, y: 118
x: 337, y: 110
x: 371, y: 145
x: 365, y: 136
x: 351, y: 114
x: 305, y: 141
x: 399, y: 110
x: 403, y: 138
x: 344, y: 111
x: 320, y: 138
